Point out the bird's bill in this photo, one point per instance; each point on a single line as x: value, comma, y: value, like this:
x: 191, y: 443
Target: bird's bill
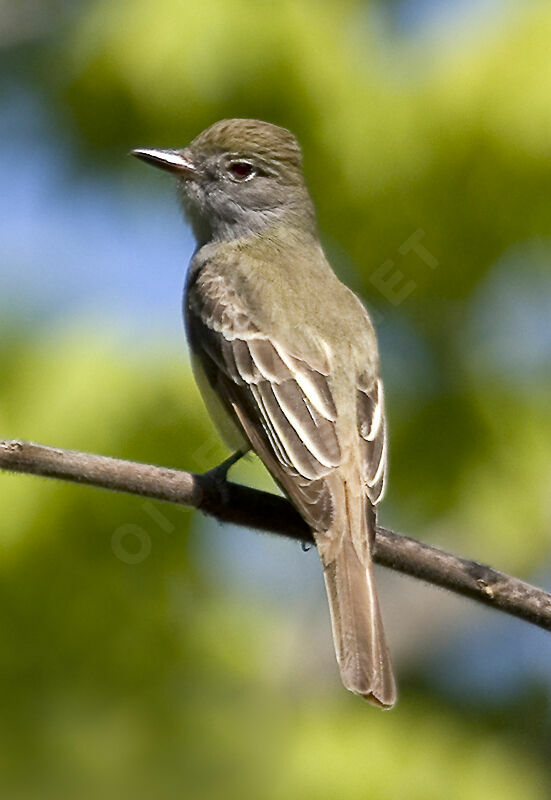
x: 170, y: 160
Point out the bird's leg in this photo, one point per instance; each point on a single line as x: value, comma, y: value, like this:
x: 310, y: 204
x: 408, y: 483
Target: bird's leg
x: 219, y: 474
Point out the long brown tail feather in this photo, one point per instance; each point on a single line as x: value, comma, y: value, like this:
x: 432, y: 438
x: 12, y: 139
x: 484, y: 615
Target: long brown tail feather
x: 358, y: 633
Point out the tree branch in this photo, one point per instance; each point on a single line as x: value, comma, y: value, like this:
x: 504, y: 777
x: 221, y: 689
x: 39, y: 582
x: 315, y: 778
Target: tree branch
x: 268, y: 512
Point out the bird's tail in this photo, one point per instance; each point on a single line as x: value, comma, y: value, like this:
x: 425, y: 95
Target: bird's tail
x: 358, y: 633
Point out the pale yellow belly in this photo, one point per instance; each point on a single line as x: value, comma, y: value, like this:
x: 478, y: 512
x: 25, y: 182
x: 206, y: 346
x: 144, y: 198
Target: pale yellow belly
x: 229, y: 430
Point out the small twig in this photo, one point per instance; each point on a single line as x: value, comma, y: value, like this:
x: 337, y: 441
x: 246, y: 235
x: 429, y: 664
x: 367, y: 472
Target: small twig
x: 268, y: 512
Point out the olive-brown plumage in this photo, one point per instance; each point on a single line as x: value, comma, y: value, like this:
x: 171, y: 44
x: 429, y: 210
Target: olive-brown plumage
x: 286, y: 358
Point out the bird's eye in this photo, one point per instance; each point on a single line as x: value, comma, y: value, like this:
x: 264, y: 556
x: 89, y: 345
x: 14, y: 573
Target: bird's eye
x: 242, y: 170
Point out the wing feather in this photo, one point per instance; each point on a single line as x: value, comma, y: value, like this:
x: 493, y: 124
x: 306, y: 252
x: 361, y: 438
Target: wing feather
x: 313, y: 383
x: 372, y: 430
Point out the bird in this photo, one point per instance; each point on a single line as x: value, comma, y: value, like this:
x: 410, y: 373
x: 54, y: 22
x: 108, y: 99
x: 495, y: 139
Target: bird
x: 286, y: 358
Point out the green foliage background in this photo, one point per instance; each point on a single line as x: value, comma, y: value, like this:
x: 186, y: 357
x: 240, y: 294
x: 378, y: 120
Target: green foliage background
x: 141, y: 680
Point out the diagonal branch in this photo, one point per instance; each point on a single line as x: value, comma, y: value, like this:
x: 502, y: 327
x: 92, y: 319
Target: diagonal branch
x: 268, y: 512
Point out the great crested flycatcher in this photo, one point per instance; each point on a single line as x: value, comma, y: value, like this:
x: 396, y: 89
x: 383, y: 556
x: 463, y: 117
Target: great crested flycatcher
x: 286, y: 358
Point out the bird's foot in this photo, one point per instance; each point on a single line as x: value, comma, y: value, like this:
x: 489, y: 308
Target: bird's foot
x: 219, y: 475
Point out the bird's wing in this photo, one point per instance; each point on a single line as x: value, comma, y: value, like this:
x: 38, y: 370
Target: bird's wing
x: 282, y: 402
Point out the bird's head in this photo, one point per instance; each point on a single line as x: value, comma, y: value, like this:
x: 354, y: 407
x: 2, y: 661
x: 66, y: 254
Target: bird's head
x: 238, y: 177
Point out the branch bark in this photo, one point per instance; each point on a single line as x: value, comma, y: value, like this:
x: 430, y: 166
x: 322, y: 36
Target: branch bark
x: 263, y: 511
